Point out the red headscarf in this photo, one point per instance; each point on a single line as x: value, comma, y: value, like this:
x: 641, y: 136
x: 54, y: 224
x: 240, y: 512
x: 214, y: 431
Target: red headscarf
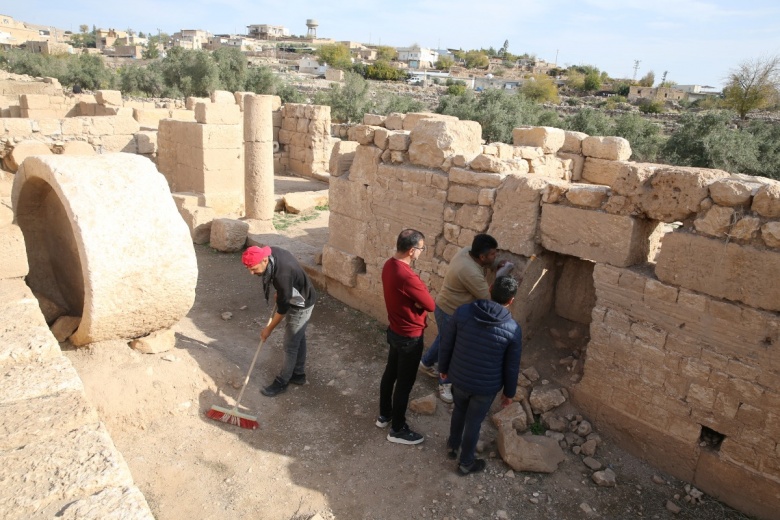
x: 254, y: 255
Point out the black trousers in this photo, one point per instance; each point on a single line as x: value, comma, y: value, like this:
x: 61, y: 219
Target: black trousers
x: 398, y: 379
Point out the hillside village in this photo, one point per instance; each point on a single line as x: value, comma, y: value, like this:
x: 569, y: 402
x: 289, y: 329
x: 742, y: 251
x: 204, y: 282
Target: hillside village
x: 273, y: 46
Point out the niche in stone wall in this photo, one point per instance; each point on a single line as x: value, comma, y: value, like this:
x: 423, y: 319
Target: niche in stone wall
x: 575, y: 294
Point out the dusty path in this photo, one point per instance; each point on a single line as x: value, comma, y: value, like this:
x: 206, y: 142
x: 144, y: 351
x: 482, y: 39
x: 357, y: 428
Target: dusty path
x: 317, y: 449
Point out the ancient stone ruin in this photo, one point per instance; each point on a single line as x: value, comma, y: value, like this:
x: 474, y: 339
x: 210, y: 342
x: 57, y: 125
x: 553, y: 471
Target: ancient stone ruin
x: 674, y: 270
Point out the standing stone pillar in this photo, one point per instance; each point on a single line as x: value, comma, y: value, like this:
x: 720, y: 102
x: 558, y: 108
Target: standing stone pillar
x: 259, y: 157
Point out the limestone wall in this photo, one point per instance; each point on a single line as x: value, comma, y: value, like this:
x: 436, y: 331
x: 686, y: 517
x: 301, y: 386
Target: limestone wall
x: 676, y: 270
x: 304, y: 139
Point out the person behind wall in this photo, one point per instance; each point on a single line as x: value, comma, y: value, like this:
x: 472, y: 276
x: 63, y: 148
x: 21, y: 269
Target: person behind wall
x: 295, y: 299
x: 463, y: 283
x: 480, y: 354
x: 408, y: 301
x: 76, y: 88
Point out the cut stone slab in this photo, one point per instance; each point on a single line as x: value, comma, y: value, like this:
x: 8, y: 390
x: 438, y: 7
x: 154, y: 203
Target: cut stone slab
x: 78, y: 148
x: 155, y: 343
x: 228, y: 235
x: 529, y: 452
x: 586, y: 195
x: 88, y: 202
x: 38, y: 379
x: 592, y: 235
x: 36, y: 420
x: 341, y: 157
x: 516, y: 213
x: 64, y: 327
x: 55, y: 472
x: 342, y: 266
x: 676, y: 192
x: 303, y: 201
x: 610, y: 148
x: 114, y: 503
x: 725, y: 270
x: 432, y: 141
x: 549, y: 139
x: 13, y: 255
x: 24, y: 334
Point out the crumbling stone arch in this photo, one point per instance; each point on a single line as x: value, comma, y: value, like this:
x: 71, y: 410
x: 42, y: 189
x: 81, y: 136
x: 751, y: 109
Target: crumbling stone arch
x: 105, y: 241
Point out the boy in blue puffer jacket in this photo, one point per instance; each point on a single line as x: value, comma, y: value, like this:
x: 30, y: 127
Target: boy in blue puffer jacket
x: 480, y: 354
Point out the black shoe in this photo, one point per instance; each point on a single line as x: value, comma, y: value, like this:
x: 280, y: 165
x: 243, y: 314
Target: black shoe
x: 275, y: 388
x: 452, y: 454
x: 382, y: 421
x: 404, y: 436
x: 474, y: 467
x: 299, y: 379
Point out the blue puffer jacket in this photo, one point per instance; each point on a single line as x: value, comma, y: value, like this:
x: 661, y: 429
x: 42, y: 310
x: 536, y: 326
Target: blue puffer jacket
x: 480, y: 349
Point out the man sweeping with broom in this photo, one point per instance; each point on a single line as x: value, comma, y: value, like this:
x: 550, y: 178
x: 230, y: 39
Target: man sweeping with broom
x: 295, y: 299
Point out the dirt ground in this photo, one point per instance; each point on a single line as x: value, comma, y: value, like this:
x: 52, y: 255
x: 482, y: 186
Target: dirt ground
x: 317, y: 450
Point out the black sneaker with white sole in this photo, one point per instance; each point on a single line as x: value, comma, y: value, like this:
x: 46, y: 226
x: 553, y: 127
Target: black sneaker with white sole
x: 404, y: 436
x: 298, y: 379
x: 382, y: 421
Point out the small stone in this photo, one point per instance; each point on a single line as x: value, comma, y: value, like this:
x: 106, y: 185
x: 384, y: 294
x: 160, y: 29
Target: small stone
x: 574, y: 333
x: 586, y: 508
x: 674, y: 508
x: 533, y: 500
x: 589, y: 448
x: 227, y: 316
x: 576, y: 450
x: 606, y: 478
x: 244, y: 307
x: 658, y: 479
x: 592, y: 463
x: 331, y: 382
x: 502, y: 515
x: 531, y: 374
x: 341, y: 374
x: 584, y: 429
x: 509, y: 474
x: 555, y: 333
x: 169, y: 357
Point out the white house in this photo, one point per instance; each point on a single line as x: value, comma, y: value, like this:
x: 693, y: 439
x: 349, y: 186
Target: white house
x: 417, y: 57
x: 310, y: 65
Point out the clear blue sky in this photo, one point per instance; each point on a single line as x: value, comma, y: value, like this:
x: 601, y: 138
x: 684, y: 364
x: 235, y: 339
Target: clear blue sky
x: 697, y: 41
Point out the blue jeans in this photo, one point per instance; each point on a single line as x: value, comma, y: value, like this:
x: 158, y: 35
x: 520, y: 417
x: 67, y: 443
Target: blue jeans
x: 467, y: 416
x: 295, y: 342
x: 432, y: 355
x: 398, y: 379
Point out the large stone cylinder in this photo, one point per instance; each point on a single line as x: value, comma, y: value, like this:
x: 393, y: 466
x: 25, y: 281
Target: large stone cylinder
x: 259, y: 157
x: 104, y: 239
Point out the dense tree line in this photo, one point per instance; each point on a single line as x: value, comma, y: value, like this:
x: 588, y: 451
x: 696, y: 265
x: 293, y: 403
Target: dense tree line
x: 180, y: 73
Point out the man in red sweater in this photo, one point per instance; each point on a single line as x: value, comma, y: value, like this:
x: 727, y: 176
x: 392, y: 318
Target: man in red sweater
x: 408, y: 301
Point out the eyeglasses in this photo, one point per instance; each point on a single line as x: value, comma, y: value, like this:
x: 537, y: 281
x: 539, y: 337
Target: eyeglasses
x: 422, y: 249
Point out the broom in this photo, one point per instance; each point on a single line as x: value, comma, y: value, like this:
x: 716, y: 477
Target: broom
x: 232, y: 415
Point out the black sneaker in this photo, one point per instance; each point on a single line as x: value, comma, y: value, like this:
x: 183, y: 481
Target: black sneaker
x: 476, y: 466
x: 382, y: 421
x: 299, y: 379
x: 405, y: 436
x: 452, y: 454
x: 275, y: 388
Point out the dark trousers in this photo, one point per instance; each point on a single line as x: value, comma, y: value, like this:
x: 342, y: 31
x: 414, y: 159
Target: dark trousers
x: 403, y: 359
x: 467, y: 416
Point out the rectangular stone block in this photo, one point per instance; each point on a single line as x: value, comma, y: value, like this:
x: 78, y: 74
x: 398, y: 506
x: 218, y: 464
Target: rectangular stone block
x: 24, y: 337
x: 13, y: 255
x: 603, y: 171
x: 109, y: 97
x: 472, y: 178
x: 725, y: 270
x: 17, y: 127
x: 549, y: 139
x: 118, y: 143
x: 146, y: 142
x: 348, y: 198
x: 217, y: 136
x: 592, y: 235
x: 217, y: 113
x: 516, y: 214
x: 348, y: 234
x: 85, y: 461
x: 34, y: 101
x: 342, y: 266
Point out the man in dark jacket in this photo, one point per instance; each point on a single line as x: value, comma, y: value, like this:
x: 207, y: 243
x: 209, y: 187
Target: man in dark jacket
x: 480, y: 353
x: 295, y: 299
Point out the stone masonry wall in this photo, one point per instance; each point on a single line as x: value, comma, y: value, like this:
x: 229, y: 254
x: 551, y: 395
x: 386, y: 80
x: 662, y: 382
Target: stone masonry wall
x: 677, y: 268
x: 304, y: 139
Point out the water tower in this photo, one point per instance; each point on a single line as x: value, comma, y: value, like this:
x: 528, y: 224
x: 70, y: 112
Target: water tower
x: 311, y: 24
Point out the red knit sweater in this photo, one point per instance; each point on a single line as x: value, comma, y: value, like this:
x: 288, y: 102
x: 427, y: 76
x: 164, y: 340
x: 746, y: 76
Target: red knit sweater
x: 403, y: 288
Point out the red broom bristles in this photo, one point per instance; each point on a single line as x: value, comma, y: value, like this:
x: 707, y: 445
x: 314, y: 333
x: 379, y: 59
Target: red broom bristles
x: 233, y: 419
